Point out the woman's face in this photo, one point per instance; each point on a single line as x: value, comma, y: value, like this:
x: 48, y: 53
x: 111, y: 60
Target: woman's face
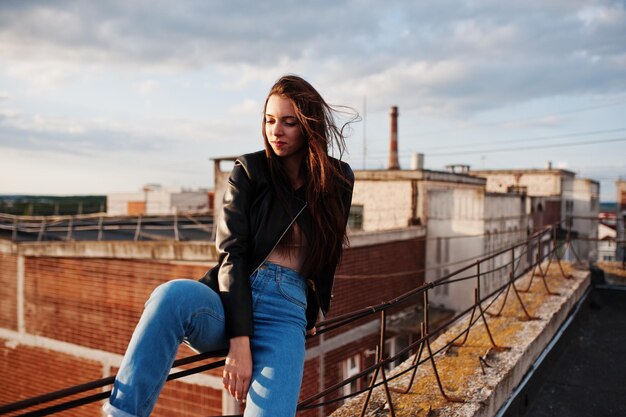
x: 282, y: 127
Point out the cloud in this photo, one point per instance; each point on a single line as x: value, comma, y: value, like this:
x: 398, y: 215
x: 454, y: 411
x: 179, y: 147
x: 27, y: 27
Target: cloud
x: 105, y: 137
x: 147, y: 87
x: 44, y: 133
x: 248, y: 108
x: 444, y: 57
x: 545, y: 121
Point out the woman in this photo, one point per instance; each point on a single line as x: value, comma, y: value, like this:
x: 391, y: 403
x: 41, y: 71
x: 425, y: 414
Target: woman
x: 279, y: 238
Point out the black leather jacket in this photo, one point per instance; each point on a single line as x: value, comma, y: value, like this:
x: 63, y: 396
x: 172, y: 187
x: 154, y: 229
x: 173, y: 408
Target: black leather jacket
x: 251, y: 224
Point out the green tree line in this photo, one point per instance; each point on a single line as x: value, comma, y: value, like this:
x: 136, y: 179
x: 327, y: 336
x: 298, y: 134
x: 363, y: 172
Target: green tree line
x: 51, y: 205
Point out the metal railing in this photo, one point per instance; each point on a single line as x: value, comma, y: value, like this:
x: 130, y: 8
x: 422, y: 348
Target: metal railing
x: 99, y: 227
x: 514, y: 262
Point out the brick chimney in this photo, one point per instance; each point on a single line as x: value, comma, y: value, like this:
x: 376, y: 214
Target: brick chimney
x: 393, y: 151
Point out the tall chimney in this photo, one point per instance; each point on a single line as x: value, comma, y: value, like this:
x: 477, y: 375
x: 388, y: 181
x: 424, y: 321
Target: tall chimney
x: 393, y: 151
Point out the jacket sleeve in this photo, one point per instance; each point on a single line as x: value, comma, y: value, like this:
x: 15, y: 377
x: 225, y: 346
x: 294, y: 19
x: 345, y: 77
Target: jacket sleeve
x: 233, y: 246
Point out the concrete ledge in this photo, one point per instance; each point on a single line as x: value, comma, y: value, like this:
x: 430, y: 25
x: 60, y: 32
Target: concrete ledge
x: 551, y: 317
x: 359, y: 239
x: 171, y: 250
x: 7, y: 247
x: 483, y: 392
x: 161, y: 250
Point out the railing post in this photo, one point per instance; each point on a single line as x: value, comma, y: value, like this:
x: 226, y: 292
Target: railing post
x: 138, y: 229
x: 540, y: 247
x: 100, y: 228
x: 415, y: 363
x: 478, y: 281
x: 519, y: 297
x: 569, y: 239
x: 14, y: 233
x: 430, y: 351
x: 380, y: 357
x: 69, y: 229
x: 508, y: 286
x: 42, y: 230
x: 383, y: 331
x: 176, y: 235
x: 513, y: 260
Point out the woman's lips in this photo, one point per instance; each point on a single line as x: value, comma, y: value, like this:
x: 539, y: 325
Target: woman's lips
x: 279, y: 144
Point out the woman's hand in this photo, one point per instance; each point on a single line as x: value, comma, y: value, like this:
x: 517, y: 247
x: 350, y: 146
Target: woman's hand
x: 312, y: 332
x: 238, y: 368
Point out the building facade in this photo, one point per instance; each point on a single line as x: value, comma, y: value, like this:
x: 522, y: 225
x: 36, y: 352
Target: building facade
x: 554, y: 196
x: 463, y: 222
x: 155, y: 199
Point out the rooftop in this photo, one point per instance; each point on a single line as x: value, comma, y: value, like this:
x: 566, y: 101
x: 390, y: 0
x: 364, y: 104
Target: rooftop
x: 583, y: 375
x: 525, y: 171
x: 417, y: 174
x: 476, y: 375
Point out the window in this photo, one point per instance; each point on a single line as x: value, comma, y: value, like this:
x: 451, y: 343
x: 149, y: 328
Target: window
x: 439, y: 250
x: 351, y: 367
x: 355, y: 219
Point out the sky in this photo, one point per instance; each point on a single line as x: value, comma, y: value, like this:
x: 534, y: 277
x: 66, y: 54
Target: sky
x: 101, y: 97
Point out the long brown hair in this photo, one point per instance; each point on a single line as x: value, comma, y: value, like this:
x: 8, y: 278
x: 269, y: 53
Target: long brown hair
x: 324, y: 180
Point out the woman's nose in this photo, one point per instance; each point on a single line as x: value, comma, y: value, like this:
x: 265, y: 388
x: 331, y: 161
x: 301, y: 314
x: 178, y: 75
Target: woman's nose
x: 277, y: 129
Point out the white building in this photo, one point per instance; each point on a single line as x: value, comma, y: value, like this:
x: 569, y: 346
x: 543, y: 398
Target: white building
x: 507, y: 222
x: 582, y: 202
x: 606, y: 242
x: 155, y: 199
x: 554, y: 196
x: 463, y: 222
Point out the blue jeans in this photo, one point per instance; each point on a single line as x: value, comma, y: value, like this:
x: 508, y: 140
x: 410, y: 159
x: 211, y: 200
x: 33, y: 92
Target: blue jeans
x: 191, y: 312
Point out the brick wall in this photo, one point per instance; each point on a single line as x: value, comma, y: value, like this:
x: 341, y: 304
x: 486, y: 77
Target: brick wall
x: 86, y: 300
x: 8, y: 291
x: 370, y: 275
x: 367, y: 276
x: 189, y: 400
x: 41, y: 370
x: 95, y: 303
x: 310, y: 383
x: 28, y: 371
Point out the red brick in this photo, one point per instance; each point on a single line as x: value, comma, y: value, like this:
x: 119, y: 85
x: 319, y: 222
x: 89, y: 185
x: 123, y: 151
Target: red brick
x: 8, y: 291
